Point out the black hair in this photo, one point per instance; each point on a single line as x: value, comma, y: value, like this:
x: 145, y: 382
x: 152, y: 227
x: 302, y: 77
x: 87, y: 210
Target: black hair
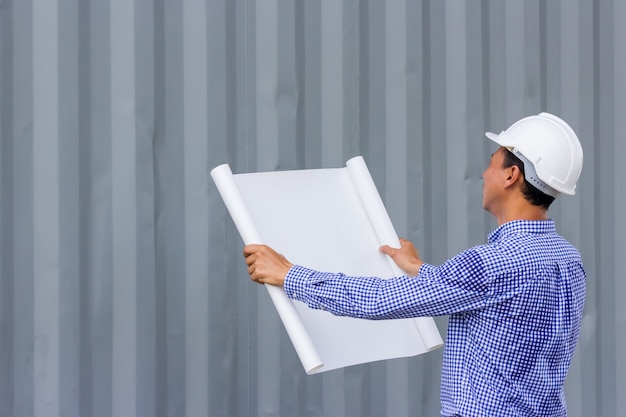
x: 531, y: 193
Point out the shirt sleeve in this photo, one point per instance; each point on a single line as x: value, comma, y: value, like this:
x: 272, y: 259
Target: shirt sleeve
x: 458, y: 285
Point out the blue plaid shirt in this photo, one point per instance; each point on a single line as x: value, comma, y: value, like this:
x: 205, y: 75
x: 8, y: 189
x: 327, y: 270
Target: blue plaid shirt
x: 515, y: 307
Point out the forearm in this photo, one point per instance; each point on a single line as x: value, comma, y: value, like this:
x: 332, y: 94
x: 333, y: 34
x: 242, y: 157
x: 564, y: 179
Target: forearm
x: 361, y: 297
x: 335, y: 293
x: 372, y: 298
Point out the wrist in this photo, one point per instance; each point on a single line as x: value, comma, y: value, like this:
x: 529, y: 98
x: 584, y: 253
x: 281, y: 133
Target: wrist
x: 416, y: 268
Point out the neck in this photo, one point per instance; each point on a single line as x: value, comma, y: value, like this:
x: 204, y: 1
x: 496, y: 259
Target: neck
x: 522, y: 216
x: 520, y: 210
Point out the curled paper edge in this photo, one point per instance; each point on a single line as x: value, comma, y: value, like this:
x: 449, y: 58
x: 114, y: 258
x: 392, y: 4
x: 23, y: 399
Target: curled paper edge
x: 236, y: 206
x: 383, y: 227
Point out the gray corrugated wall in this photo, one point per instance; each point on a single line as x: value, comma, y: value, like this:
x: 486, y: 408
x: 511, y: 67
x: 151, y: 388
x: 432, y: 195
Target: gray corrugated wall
x: 122, y: 287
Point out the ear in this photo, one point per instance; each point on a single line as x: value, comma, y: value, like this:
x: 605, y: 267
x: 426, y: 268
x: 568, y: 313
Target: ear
x: 513, y: 176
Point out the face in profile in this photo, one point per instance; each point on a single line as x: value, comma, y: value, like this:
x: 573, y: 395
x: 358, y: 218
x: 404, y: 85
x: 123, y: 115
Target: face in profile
x: 493, y: 177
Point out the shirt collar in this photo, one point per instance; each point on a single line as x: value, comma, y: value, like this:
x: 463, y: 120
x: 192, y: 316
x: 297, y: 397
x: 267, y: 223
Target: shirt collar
x: 522, y: 226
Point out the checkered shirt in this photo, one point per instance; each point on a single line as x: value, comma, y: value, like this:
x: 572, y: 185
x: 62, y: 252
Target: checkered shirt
x: 515, y: 307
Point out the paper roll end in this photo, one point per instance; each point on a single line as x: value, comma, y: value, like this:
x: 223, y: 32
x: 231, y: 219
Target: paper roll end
x: 224, y: 168
x: 315, y: 369
x: 434, y: 347
x: 355, y: 160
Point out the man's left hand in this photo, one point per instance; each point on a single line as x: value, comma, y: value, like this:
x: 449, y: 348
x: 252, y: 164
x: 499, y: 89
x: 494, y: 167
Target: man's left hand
x: 406, y: 257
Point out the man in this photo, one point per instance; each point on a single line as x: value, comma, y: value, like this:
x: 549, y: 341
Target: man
x: 515, y: 303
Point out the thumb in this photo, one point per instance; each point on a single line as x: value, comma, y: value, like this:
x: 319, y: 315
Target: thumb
x: 388, y: 250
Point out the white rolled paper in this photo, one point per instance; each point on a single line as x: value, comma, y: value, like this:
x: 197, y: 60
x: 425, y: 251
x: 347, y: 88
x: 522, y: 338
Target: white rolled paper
x: 329, y: 220
x: 381, y: 222
x: 236, y: 206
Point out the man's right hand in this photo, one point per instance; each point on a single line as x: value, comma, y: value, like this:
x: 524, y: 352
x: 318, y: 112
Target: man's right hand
x: 407, y: 257
x: 265, y: 266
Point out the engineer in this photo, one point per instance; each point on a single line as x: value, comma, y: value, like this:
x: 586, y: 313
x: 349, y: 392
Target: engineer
x: 515, y: 303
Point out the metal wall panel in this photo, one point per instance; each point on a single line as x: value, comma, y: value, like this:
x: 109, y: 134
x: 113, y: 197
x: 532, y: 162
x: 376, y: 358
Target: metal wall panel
x: 122, y: 287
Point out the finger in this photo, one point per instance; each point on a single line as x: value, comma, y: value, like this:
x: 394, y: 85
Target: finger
x: 250, y: 249
x: 250, y: 259
x: 254, y: 276
x: 258, y: 279
x: 388, y: 250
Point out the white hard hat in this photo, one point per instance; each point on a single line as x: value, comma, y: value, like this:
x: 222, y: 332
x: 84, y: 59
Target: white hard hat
x: 550, y: 150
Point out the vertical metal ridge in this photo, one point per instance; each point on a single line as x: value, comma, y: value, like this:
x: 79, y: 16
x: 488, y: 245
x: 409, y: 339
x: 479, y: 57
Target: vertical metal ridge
x: 46, y: 259
x: 266, y: 66
x: 145, y: 191
x: 70, y: 223
x: 124, y: 207
x: 23, y: 211
x: 332, y: 82
x: 619, y: 193
x: 196, y: 206
x: 458, y: 146
x: 7, y: 295
x: 604, y: 112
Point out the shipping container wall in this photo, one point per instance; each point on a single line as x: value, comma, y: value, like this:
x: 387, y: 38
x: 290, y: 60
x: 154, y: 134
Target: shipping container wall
x: 123, y: 290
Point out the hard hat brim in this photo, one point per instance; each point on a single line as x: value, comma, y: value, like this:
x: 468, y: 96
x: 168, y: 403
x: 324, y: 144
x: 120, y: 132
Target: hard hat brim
x: 496, y: 138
